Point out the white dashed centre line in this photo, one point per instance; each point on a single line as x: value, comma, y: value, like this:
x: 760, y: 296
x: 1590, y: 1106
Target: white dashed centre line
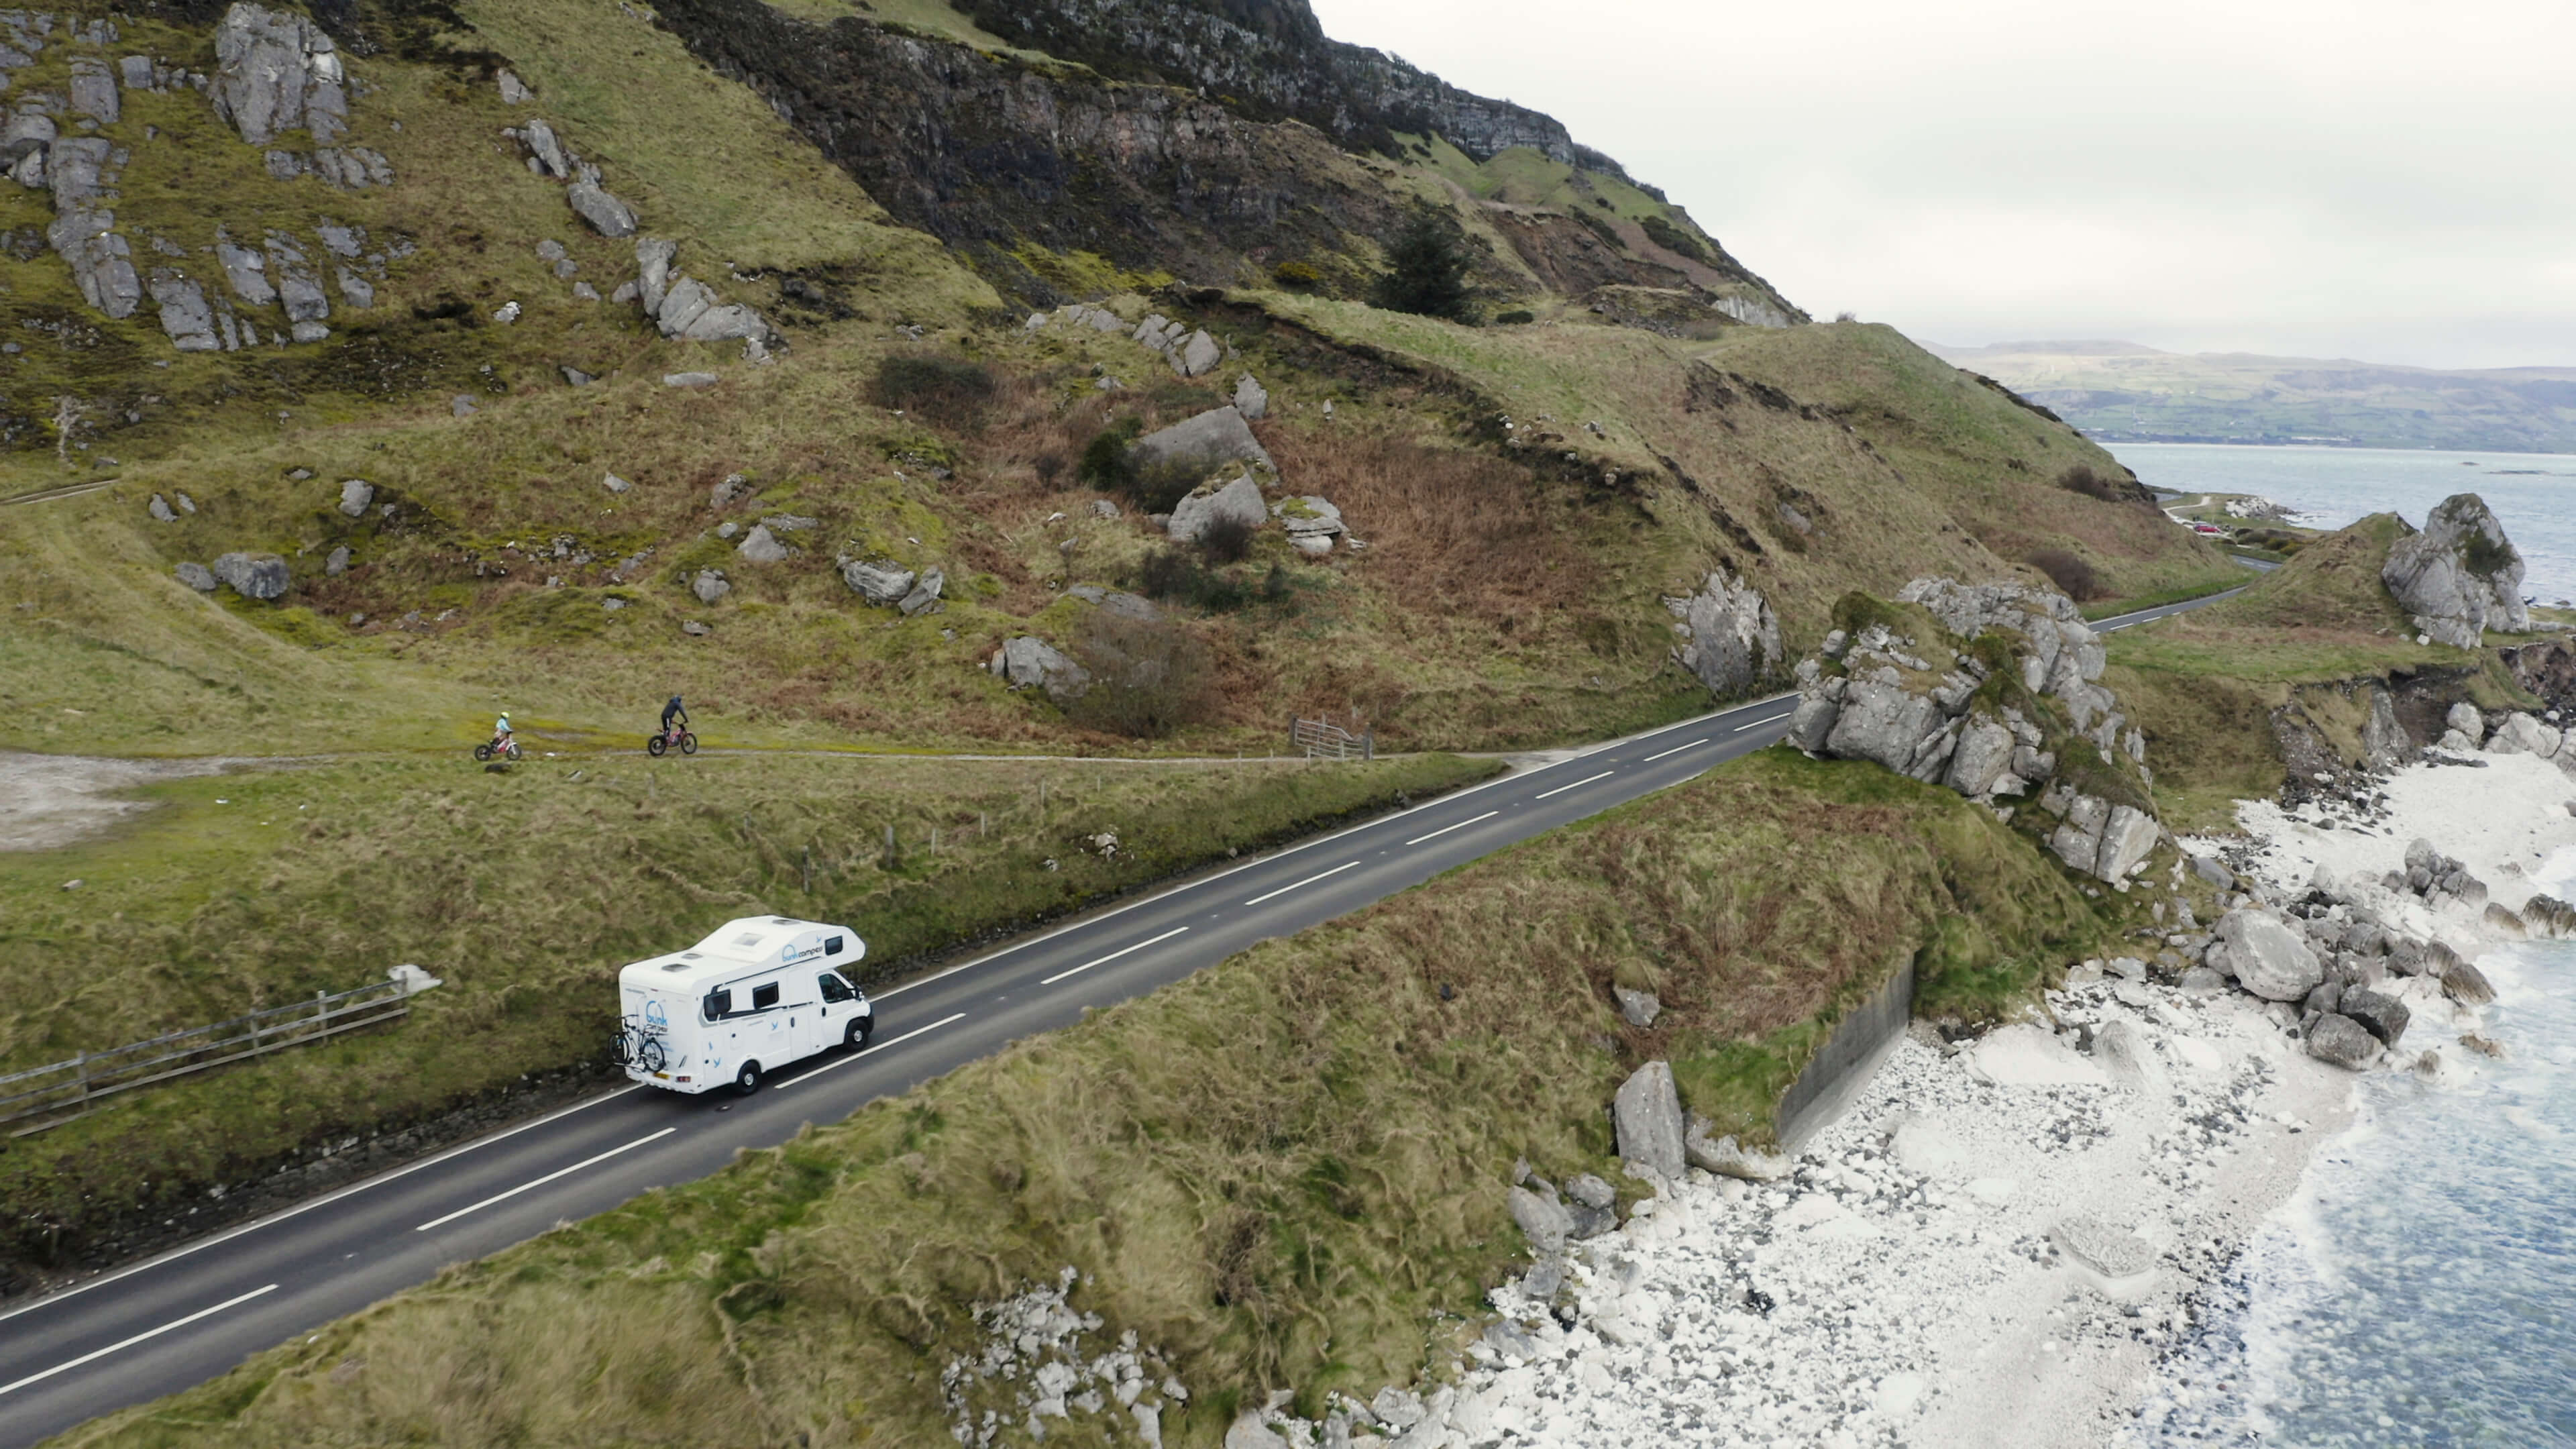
x: 1577, y: 785
x: 96, y: 1354
x: 1445, y: 829
x: 1112, y: 956
x: 1310, y: 880
x: 1759, y: 723
x: 1675, y: 750
x: 542, y: 1181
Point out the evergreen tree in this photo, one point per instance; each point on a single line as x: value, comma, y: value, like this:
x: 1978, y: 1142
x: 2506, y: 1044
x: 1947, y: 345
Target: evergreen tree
x: 1426, y: 272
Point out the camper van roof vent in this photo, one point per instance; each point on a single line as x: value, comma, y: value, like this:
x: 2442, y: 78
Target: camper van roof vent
x: 688, y: 955
x: 677, y: 966
x: 747, y: 938
x: 781, y: 921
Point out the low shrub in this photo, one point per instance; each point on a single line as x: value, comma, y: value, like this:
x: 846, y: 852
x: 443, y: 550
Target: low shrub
x: 1226, y: 540
x: 1149, y: 677
x: 1675, y: 240
x: 941, y: 387
x: 1297, y: 276
x: 1516, y: 316
x: 1174, y: 577
x: 1106, y: 463
x: 2108, y: 487
x: 2073, y: 576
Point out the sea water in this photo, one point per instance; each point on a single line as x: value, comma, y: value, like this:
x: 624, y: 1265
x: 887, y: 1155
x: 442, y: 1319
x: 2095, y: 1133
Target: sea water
x: 2533, y: 493
x: 2421, y: 1287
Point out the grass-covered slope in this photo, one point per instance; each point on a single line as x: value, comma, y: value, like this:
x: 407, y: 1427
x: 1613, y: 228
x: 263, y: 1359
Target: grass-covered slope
x: 1282, y: 1173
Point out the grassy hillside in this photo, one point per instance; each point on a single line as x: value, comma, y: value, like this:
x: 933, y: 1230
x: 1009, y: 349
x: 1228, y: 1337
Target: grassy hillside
x: 2123, y: 392
x: 1307, y: 1224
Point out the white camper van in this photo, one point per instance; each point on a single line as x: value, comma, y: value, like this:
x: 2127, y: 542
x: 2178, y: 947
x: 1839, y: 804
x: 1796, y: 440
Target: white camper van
x: 756, y: 995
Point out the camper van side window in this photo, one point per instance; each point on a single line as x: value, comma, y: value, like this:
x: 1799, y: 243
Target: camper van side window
x: 719, y: 1005
x: 832, y: 947
x: 834, y: 988
x: 764, y: 997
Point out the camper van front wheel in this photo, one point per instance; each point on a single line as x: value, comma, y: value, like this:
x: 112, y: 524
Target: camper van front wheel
x: 858, y: 1032
x: 747, y: 1081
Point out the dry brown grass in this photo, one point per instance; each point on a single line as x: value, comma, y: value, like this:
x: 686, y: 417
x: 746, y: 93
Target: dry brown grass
x: 1449, y: 531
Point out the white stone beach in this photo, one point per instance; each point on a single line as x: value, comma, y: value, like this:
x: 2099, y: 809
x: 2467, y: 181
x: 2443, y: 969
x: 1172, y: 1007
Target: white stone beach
x: 1998, y: 1240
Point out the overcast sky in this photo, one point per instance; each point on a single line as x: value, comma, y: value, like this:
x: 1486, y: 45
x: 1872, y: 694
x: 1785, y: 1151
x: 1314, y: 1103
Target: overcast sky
x: 2391, y: 180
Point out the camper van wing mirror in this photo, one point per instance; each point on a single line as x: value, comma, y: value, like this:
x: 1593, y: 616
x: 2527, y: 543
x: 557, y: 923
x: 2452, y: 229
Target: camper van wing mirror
x: 719, y: 1005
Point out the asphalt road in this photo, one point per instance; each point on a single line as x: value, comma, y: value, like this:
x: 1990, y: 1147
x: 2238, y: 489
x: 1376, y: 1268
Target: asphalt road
x: 196, y: 1311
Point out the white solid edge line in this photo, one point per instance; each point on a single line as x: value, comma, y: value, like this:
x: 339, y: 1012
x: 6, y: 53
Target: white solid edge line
x: 1461, y: 825
x: 326, y: 1200
x: 542, y: 1181
x: 871, y: 1051
x: 1577, y: 785
x: 1310, y: 880
x: 1114, y: 955
x: 1384, y: 820
x: 100, y: 1353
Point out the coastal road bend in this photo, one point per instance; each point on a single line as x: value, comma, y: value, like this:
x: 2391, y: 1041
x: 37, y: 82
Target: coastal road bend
x: 196, y: 1311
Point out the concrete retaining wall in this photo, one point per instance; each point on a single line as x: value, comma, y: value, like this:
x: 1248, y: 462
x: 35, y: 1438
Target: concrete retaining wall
x: 1860, y: 1041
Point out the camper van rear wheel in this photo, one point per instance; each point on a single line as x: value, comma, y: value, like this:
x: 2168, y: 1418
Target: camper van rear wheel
x: 747, y: 1081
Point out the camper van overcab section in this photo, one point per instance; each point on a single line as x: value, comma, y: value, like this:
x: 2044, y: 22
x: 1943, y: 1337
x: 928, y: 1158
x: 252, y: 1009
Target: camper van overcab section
x: 751, y: 998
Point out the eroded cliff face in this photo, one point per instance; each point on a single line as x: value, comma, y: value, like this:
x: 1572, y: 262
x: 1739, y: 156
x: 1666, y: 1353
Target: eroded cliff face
x: 1272, y: 59
x: 1205, y: 142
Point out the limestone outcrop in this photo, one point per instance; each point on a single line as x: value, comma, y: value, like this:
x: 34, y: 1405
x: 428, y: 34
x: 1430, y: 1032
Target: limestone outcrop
x: 1730, y: 638
x: 2460, y: 577
x: 1994, y: 691
x: 685, y: 308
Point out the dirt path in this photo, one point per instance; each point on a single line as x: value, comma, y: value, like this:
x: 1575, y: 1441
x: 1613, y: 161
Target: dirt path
x: 53, y: 800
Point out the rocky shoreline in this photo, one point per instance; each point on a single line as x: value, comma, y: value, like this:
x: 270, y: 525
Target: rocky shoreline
x: 2018, y: 1227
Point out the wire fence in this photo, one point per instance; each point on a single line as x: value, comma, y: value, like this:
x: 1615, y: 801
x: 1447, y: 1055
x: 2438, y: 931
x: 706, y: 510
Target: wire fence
x: 64, y: 1090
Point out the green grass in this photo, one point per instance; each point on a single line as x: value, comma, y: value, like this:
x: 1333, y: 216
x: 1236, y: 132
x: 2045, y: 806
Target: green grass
x: 1280, y: 1172
x: 526, y: 892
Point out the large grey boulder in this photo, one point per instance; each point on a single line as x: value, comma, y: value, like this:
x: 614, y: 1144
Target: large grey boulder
x: 2270, y: 959
x: 2384, y: 1017
x: 253, y: 575
x: 101, y: 261
x: 2461, y: 576
x: 1028, y: 660
x: 2464, y: 717
x: 1198, y: 356
x: 1648, y: 1117
x: 2383, y: 740
x: 595, y: 204
x: 196, y: 576
x: 2520, y: 734
x: 1239, y: 500
x: 879, y: 581
x: 546, y: 149
x: 1730, y: 636
x: 924, y: 593
x: 761, y: 546
x: 1212, y: 438
x: 710, y: 586
x: 185, y: 316
x: 93, y: 90
x: 653, y: 258
x: 76, y: 172
x: 276, y: 71
x: 2342, y: 1041
x: 355, y: 496
x: 1883, y: 722
x: 1251, y: 399
x: 1546, y: 1222
x: 2127, y: 839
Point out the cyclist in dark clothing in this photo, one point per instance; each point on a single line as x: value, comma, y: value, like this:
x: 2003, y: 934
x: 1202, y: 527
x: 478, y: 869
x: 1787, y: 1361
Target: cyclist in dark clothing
x: 674, y: 711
